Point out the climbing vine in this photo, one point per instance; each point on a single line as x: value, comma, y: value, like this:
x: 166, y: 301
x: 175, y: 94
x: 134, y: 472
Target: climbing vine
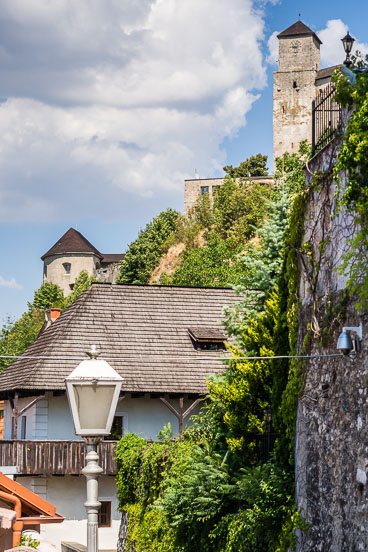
x: 351, y: 172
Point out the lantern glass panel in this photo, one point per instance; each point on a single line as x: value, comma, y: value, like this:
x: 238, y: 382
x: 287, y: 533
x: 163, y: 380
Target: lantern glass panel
x: 93, y: 405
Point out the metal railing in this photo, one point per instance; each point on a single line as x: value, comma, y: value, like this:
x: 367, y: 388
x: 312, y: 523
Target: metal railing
x: 326, y: 118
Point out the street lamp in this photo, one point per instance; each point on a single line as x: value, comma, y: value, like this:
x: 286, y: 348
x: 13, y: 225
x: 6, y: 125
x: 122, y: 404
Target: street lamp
x: 348, y: 42
x: 93, y: 390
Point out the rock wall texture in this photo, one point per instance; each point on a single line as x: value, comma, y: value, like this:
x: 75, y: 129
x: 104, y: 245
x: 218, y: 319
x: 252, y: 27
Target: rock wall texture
x: 332, y: 421
x: 294, y: 90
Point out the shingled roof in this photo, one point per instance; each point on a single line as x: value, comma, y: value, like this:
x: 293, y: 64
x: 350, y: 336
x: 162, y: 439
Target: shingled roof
x: 72, y: 242
x: 141, y: 330
x: 298, y: 29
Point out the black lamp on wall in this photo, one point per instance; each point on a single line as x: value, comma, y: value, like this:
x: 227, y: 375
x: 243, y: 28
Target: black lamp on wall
x: 348, y: 42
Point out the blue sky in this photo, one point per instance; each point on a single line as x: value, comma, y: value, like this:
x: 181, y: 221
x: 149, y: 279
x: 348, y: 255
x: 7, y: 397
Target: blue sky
x: 107, y: 106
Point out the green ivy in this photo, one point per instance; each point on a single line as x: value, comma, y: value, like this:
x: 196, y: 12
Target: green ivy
x: 352, y: 162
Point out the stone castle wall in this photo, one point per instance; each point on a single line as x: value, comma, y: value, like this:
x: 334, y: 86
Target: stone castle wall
x: 332, y: 420
x: 55, y: 268
x: 193, y: 188
x: 294, y: 90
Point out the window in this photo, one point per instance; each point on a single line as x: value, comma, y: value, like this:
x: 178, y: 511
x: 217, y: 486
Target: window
x: 67, y: 267
x: 117, y: 429
x: 215, y: 189
x: 204, y: 190
x: 104, y: 514
x: 23, y: 427
x: 294, y: 84
x: 207, y: 339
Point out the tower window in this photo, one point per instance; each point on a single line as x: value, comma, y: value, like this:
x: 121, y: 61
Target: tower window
x: 294, y: 84
x: 283, y: 109
x: 67, y: 267
x: 204, y: 190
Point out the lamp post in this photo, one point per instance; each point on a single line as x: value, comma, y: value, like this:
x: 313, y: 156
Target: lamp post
x: 93, y: 390
x: 348, y: 42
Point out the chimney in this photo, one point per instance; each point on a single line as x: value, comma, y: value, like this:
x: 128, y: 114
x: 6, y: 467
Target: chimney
x: 51, y: 315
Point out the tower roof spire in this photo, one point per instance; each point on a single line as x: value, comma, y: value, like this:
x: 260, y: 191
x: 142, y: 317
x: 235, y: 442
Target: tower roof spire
x: 298, y: 29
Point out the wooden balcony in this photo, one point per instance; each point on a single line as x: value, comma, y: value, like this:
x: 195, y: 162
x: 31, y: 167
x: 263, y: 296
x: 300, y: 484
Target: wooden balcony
x: 54, y: 457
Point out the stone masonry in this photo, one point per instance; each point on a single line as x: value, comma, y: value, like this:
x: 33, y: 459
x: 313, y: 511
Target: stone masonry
x: 332, y: 421
x: 196, y: 187
x: 294, y: 88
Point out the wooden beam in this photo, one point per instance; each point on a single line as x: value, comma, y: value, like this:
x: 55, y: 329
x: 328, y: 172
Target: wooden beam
x: 16, y: 413
x: 181, y: 414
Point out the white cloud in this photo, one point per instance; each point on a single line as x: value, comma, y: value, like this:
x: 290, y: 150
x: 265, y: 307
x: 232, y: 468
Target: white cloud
x: 12, y: 284
x: 273, y: 48
x: 332, y: 51
x: 113, y: 102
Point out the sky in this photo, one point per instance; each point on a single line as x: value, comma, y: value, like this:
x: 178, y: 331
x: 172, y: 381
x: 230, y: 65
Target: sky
x: 106, y: 107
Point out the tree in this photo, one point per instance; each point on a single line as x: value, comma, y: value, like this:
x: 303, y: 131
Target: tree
x: 145, y: 252
x: 255, y: 165
x: 81, y: 284
x: 16, y: 336
x: 49, y: 295
x: 214, y: 265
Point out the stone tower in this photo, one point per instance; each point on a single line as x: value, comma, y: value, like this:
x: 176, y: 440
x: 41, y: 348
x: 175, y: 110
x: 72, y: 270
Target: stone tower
x: 294, y: 88
x: 73, y: 253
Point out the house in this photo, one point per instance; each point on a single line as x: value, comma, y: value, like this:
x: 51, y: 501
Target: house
x: 28, y: 512
x: 71, y: 254
x: 164, y: 341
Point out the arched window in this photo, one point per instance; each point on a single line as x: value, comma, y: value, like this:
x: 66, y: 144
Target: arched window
x: 67, y: 267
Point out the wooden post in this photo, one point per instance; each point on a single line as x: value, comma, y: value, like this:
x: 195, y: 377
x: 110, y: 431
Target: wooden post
x: 15, y: 413
x: 181, y: 415
x: 181, y: 408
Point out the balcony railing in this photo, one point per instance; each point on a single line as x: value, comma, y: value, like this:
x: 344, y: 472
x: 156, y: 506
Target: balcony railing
x: 326, y: 118
x: 54, y: 457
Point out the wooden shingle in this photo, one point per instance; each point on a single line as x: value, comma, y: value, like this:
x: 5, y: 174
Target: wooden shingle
x: 141, y: 330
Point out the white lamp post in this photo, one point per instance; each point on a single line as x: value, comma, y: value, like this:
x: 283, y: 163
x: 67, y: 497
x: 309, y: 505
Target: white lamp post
x: 93, y: 390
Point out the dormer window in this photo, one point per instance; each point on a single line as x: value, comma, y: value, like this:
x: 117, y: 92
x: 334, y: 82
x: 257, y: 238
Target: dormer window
x: 207, y: 339
x: 67, y: 267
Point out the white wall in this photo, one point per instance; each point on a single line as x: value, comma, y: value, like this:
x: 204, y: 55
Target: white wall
x: 68, y: 494
x: 144, y: 416
x: 30, y: 417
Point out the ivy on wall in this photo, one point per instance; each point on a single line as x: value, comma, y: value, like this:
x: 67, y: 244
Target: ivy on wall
x: 351, y: 171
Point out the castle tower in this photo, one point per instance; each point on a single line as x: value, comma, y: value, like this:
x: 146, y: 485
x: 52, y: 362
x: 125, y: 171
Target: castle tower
x: 294, y: 88
x: 73, y: 253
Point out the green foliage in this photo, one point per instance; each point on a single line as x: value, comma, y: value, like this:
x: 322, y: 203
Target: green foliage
x: 81, y: 284
x: 352, y: 162
x: 262, y: 263
x: 145, y: 252
x: 209, y: 491
x: 48, y: 296
x: 28, y: 540
x: 225, y: 227
x: 256, y: 165
x: 239, y: 208
x: 16, y: 336
x: 214, y: 265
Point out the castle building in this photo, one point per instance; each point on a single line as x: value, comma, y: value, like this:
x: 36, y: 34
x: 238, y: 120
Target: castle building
x: 73, y: 253
x: 295, y: 85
